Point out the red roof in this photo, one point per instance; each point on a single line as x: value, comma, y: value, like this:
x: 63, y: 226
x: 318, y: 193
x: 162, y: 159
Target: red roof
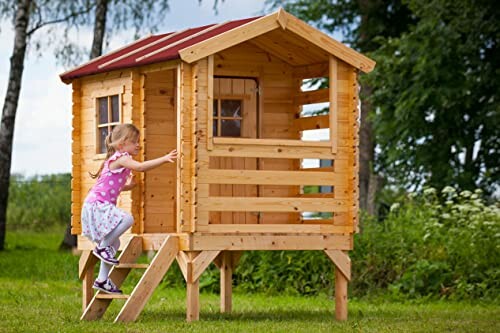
x: 151, y: 49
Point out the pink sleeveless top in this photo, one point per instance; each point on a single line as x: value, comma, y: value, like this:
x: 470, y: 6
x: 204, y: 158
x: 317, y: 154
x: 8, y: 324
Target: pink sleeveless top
x: 110, y: 182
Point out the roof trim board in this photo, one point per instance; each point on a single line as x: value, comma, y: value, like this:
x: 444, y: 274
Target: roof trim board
x: 270, y: 22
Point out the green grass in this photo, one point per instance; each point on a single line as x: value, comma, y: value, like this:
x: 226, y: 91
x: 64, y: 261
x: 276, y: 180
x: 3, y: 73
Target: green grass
x: 40, y: 292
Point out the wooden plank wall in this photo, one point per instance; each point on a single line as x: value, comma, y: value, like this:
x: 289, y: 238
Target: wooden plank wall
x: 348, y: 142
x: 85, y: 159
x: 276, y: 110
x: 160, y: 137
x: 76, y: 169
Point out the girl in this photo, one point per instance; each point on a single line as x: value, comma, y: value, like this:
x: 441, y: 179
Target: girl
x: 102, y: 221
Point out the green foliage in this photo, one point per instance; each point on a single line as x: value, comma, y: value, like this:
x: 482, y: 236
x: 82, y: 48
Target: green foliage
x: 39, y: 202
x: 436, y: 93
x: 430, y: 245
x: 43, y: 294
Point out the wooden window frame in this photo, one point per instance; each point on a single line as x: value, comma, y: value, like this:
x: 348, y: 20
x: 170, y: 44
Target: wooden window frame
x: 107, y: 93
x: 219, y: 117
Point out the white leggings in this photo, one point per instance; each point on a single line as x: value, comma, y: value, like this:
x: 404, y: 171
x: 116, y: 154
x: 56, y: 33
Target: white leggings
x: 113, y: 239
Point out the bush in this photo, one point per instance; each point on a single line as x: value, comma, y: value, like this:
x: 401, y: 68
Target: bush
x: 438, y: 245
x: 39, y: 202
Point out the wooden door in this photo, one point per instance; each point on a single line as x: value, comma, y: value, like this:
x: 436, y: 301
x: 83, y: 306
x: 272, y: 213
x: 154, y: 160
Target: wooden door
x: 235, y: 115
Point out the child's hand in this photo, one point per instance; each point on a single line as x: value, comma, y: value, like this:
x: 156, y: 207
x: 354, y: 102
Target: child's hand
x: 171, y: 156
x: 130, y: 183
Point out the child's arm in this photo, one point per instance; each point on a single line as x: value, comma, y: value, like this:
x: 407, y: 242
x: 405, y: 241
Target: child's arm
x: 129, y: 163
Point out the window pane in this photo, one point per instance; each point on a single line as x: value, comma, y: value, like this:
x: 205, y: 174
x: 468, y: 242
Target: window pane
x: 103, y: 132
x: 231, y: 127
x: 231, y: 108
x: 216, y: 107
x: 214, y: 133
x: 115, y: 109
x: 102, y: 104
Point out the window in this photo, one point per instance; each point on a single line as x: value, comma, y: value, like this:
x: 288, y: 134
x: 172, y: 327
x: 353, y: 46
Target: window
x: 227, y: 117
x: 108, y: 116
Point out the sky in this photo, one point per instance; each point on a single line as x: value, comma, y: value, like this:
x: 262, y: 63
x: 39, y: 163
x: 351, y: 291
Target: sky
x: 42, y: 135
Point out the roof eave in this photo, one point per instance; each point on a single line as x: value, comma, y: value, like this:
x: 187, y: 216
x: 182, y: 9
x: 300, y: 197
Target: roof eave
x: 279, y: 19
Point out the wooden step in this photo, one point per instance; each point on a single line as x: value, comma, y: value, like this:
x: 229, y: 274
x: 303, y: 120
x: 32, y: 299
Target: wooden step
x: 111, y: 296
x: 138, y: 266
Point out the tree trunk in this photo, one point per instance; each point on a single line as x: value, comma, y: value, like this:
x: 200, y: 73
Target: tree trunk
x: 10, y: 108
x: 69, y: 240
x: 366, y: 155
x: 99, y: 28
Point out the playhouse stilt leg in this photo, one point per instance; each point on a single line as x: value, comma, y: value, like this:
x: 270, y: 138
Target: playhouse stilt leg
x: 340, y: 295
x: 226, y: 282
x: 192, y: 290
x: 86, y: 274
x: 87, y: 291
x: 193, y: 300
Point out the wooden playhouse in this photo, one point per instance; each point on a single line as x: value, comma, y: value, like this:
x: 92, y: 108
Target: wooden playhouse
x: 229, y: 97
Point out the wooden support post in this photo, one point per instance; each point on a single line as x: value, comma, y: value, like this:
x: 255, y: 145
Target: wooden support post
x: 340, y: 295
x: 226, y: 280
x: 86, y: 274
x: 342, y: 276
x: 192, y: 291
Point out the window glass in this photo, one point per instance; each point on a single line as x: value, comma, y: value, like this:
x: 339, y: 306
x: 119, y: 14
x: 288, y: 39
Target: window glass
x: 231, y: 127
x: 216, y: 108
x: 103, y: 132
x: 115, y: 110
x: 102, y: 104
x: 231, y: 108
x: 214, y: 131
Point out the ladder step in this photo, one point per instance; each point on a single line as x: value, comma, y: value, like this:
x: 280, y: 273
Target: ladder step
x: 111, y: 296
x: 139, y: 266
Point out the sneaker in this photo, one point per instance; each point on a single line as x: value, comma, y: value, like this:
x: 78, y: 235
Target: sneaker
x: 106, y: 254
x: 106, y: 286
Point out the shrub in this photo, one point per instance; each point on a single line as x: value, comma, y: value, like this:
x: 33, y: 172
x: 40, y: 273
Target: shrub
x: 39, y: 202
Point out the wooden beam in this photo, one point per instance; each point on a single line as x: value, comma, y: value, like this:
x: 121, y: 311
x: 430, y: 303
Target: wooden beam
x: 210, y: 101
x: 273, y: 204
x: 312, y: 123
x: 270, y: 142
x: 87, y: 260
x: 340, y: 295
x: 182, y: 260
x: 86, y: 274
x: 201, y: 262
x: 279, y: 228
x: 312, y: 97
x: 229, y: 38
x: 264, y: 241
x: 333, y: 97
x: 310, y: 71
x: 264, y: 177
x: 341, y: 261
x: 226, y: 282
x: 192, y: 292
x: 308, y: 150
x: 282, y: 18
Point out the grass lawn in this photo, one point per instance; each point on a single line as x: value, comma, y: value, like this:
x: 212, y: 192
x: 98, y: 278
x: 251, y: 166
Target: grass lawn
x: 40, y: 292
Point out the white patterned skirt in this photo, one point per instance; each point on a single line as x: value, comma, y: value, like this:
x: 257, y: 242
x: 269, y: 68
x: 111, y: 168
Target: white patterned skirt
x: 99, y: 219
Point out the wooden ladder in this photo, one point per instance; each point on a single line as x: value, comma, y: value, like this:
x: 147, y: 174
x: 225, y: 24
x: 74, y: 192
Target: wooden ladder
x: 151, y: 278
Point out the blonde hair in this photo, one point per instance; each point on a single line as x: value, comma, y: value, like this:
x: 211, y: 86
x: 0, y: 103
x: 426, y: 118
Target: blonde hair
x: 118, y: 135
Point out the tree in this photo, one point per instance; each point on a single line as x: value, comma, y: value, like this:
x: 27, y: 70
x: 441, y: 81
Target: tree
x: 29, y: 16
x: 361, y: 22
x: 436, y: 91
